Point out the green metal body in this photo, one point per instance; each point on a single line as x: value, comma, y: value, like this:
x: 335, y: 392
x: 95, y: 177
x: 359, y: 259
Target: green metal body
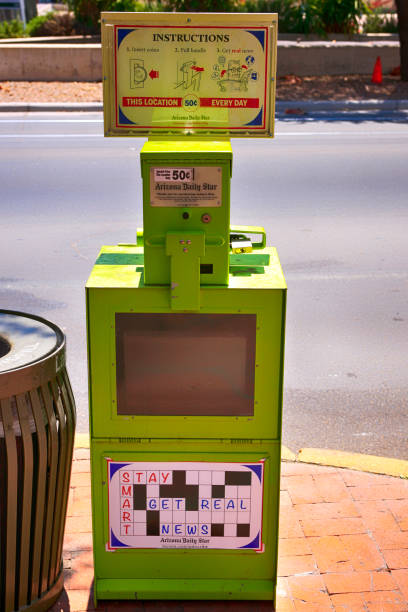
x: 256, y: 286
x: 199, y: 210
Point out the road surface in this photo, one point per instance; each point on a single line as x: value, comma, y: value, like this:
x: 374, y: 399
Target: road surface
x: 333, y: 199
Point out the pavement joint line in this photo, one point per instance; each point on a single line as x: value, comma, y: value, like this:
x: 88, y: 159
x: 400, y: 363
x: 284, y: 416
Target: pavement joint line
x: 374, y: 464
x: 307, y: 106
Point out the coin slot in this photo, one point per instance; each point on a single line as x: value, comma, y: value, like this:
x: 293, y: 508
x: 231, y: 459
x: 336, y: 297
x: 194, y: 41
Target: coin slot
x: 206, y: 269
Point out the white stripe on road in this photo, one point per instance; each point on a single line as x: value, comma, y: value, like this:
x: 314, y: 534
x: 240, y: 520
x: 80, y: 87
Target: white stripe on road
x: 396, y: 133
x: 51, y: 120
x: 51, y: 135
x: 305, y: 276
x: 279, y: 135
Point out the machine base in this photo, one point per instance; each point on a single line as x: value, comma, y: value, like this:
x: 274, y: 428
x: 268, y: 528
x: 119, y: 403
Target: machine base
x: 184, y: 589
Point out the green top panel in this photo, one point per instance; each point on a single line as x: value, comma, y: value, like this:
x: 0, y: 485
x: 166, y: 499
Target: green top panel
x: 221, y: 147
x: 191, y: 151
x: 122, y: 267
x: 193, y: 74
x: 133, y: 259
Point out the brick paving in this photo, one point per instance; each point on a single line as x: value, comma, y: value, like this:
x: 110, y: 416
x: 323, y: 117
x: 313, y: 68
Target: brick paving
x: 343, y: 545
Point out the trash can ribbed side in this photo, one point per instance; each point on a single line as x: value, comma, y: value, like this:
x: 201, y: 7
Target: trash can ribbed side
x: 37, y: 426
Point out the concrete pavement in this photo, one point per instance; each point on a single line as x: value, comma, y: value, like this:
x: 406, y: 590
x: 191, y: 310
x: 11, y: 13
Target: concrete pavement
x: 343, y: 542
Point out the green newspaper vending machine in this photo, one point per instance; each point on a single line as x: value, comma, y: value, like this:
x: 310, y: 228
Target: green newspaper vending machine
x: 186, y: 326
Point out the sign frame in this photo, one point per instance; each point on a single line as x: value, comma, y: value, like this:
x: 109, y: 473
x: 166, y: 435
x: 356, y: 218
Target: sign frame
x: 260, y: 111
x: 136, y: 499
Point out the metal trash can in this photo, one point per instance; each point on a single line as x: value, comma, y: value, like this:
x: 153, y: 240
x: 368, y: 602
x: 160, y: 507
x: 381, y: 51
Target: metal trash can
x: 37, y: 425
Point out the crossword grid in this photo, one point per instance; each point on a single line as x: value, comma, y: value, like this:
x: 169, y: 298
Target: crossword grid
x: 185, y: 503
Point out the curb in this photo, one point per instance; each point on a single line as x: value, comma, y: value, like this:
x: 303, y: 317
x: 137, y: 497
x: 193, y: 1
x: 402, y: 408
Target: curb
x: 352, y: 461
x: 282, y: 106
x: 313, y: 106
x: 333, y: 458
x: 355, y: 461
x: 51, y: 107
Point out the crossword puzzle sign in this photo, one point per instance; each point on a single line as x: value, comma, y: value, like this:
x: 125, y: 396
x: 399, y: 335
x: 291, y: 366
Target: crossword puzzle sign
x: 185, y: 505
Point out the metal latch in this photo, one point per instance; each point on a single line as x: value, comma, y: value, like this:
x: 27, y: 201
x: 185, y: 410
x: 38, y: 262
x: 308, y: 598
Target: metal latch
x: 240, y: 243
x: 239, y: 234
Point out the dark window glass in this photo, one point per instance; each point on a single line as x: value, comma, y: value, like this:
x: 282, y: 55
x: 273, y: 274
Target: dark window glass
x: 185, y: 364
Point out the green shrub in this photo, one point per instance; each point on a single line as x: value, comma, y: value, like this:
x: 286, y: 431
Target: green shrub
x: 37, y: 22
x: 378, y: 22
x: 340, y: 16
x: 295, y: 16
x: 87, y: 12
x: 12, y: 29
x: 127, y: 5
x: 201, y: 6
x: 52, y: 24
x: 311, y: 16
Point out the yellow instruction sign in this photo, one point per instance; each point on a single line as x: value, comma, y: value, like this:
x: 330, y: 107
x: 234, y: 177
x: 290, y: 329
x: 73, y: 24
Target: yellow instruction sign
x: 200, y: 77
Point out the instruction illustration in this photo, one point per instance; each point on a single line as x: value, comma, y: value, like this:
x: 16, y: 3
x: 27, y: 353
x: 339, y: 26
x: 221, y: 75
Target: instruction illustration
x: 176, y: 76
x: 235, y: 75
x: 189, y: 76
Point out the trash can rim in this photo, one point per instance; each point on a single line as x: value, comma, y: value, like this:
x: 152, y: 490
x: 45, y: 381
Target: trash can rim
x: 59, y: 340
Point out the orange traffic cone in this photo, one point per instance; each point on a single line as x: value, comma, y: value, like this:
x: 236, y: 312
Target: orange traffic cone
x: 377, y: 72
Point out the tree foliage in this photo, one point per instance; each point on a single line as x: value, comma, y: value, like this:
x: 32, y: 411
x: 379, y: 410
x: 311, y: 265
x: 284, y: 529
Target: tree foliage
x: 319, y: 17
x: 340, y: 16
x: 88, y: 12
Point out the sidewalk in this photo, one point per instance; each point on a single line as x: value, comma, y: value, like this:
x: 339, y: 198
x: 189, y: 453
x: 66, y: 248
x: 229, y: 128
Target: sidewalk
x: 343, y: 545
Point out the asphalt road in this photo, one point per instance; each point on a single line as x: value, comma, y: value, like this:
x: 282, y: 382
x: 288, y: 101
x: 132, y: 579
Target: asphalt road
x: 333, y: 198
